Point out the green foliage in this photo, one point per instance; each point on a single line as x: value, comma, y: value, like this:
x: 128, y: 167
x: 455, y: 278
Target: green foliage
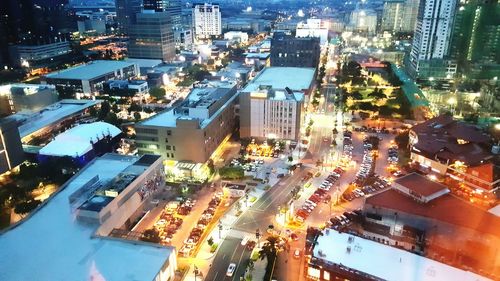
x: 151, y: 235
x: 112, y: 119
x: 157, y: 93
x: 104, y: 111
x: 231, y: 173
x: 402, y: 139
x: 134, y: 107
x: 210, y: 241
x: 356, y: 95
x: 25, y: 207
x: 137, y: 116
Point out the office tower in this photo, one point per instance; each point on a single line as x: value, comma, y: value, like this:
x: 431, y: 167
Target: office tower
x: 364, y: 20
x: 287, y: 50
x: 206, y: 20
x: 11, y: 149
x: 172, y: 6
x: 151, y: 36
x: 476, y: 39
x: 125, y: 13
x: 399, y: 15
x: 432, y: 38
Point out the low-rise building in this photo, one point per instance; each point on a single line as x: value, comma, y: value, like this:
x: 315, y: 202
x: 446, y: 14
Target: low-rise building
x: 234, y: 189
x: 236, y: 36
x: 126, y: 88
x: 258, y: 59
x: 344, y: 256
x: 313, y: 28
x: 462, y: 152
x: 107, y: 194
x: 11, y: 149
x: 453, y: 230
x: 88, y: 79
x: 193, y: 130
x: 39, y: 56
x: 26, y: 97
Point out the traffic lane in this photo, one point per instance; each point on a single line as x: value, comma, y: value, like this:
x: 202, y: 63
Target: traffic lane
x: 230, y: 251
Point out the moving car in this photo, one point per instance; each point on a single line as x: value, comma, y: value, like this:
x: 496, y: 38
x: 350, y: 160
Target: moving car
x: 230, y: 269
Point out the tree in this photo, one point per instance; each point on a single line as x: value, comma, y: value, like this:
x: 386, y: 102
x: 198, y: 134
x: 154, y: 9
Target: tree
x: 231, y: 173
x: 105, y: 109
x: 157, y: 93
x: 210, y: 241
x: 134, y: 107
x: 269, y: 248
x: 385, y: 111
x: 356, y: 95
x: 148, y: 110
x: 137, y: 116
x: 151, y: 235
x: 112, y: 119
x: 377, y: 94
x: 25, y: 207
x: 200, y: 75
x: 290, y: 158
x: 402, y: 139
x: 368, y: 106
x: 352, y: 69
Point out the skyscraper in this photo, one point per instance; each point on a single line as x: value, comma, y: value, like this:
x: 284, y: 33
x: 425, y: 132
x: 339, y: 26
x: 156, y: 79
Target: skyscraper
x: 151, y: 36
x: 476, y: 38
x: 206, y: 20
x: 171, y: 6
x: 125, y: 13
x: 399, y: 15
x: 432, y: 37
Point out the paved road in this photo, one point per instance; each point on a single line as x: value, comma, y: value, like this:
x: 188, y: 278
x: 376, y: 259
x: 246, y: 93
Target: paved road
x: 231, y: 251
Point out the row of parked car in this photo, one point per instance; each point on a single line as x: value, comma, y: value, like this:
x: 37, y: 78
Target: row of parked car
x: 170, y: 220
x: 321, y: 194
x: 378, y: 183
x: 393, y: 154
x: 343, y: 220
x: 205, y: 218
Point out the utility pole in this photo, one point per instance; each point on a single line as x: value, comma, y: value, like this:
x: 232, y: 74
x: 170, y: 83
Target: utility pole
x: 257, y: 235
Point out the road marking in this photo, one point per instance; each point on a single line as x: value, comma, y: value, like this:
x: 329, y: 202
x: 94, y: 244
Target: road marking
x: 215, y: 277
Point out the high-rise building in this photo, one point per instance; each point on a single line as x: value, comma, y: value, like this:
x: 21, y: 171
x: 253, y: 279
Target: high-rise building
x: 364, y: 20
x: 152, y: 36
x: 11, y: 149
x: 171, y: 6
x: 206, y: 20
x: 476, y: 39
x: 290, y: 51
x: 399, y: 15
x: 125, y: 13
x: 432, y: 37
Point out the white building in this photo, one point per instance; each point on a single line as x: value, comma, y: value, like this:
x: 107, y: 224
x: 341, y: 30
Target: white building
x: 236, y: 36
x: 65, y: 238
x: 313, y: 28
x: 432, y: 31
x: 271, y: 106
x: 364, y: 20
x: 206, y: 20
x: 35, y: 55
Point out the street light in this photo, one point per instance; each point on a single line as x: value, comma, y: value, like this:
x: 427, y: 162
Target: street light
x: 220, y: 229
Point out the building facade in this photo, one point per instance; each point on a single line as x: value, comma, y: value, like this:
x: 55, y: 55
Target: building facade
x: 431, y: 40
x: 313, y: 28
x: 125, y: 13
x: 192, y: 131
x: 26, y: 97
x: 288, y: 51
x: 364, y: 21
x: 206, y: 20
x: 88, y: 79
x: 11, y: 149
x: 399, y: 15
x: 173, y: 7
x: 152, y: 36
x: 36, y: 56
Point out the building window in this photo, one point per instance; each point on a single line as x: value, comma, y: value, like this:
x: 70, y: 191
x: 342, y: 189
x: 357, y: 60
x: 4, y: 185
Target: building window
x: 169, y: 132
x: 168, y: 147
x: 166, y: 140
x: 173, y: 147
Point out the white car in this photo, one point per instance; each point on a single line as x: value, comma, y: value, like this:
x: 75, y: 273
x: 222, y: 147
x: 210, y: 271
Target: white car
x: 230, y: 269
x: 244, y: 241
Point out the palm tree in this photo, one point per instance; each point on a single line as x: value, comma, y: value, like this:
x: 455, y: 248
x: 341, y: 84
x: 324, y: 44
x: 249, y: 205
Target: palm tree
x: 269, y: 249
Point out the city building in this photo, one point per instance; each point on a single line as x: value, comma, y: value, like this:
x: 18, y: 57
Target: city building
x: 26, y: 97
x: 313, y: 28
x: 43, y: 55
x: 125, y: 13
x: 245, y: 24
x: 399, y: 15
x: 183, y: 38
x: 82, y: 143
x: 53, y: 118
x: 476, y: 39
x: 91, y: 26
x: 258, y: 59
x: 206, y: 20
x: 364, y: 21
x: 271, y: 105
x: 87, y: 79
x: 173, y: 7
x: 289, y: 51
x: 236, y: 36
x: 431, y: 40
x: 72, y: 227
x: 450, y: 229
x: 11, y: 149
x: 135, y: 89
x: 193, y: 130
x: 447, y: 147
x: 152, y: 36
x: 340, y: 255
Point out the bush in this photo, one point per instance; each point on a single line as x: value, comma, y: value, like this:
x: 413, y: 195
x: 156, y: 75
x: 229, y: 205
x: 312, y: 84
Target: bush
x: 231, y: 173
x: 213, y: 248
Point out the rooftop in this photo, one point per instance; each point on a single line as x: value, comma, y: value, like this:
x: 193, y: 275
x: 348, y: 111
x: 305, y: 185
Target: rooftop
x: 446, y: 208
x: 37, y: 248
x: 420, y: 184
x: 199, y: 98
x: 295, y: 78
x: 383, y: 261
x: 77, y: 141
x: 90, y: 70
x: 31, y: 122
x: 24, y: 89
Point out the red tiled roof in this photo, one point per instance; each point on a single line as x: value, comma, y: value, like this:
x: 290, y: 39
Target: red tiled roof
x: 420, y: 184
x: 445, y: 208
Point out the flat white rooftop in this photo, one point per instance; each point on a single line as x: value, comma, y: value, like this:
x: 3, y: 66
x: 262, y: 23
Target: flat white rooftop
x: 52, y: 245
x: 34, y: 121
x: 385, y: 262
x: 295, y: 78
x: 76, y: 141
x: 90, y: 70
